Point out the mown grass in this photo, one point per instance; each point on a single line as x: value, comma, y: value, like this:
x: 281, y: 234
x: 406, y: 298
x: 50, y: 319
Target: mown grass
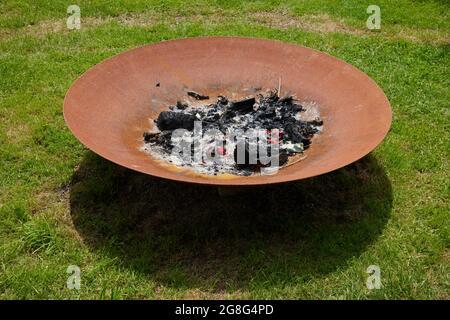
x: 138, y: 237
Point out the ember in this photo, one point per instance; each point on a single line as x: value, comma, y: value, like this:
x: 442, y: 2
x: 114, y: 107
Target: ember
x: 237, y: 137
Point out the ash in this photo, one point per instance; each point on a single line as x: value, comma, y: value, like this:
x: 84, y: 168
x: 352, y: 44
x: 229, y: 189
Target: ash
x: 219, y: 138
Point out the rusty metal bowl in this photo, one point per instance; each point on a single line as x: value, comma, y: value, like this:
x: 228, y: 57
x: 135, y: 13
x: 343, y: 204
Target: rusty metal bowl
x: 108, y: 108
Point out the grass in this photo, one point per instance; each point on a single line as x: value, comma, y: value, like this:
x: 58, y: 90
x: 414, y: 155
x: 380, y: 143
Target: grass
x: 62, y: 205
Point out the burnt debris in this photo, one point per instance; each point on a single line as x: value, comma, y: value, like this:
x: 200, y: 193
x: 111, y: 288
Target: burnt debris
x: 170, y: 120
x: 197, y: 95
x: 260, y: 112
x: 244, y: 105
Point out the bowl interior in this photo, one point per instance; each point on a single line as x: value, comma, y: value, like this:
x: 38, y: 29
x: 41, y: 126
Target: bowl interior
x: 108, y: 108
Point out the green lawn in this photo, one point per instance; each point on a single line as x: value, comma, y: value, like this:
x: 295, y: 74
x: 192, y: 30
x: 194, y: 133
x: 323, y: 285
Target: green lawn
x: 134, y: 236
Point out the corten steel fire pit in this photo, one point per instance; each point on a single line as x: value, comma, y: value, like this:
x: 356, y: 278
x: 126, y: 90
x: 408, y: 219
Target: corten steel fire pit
x: 108, y: 108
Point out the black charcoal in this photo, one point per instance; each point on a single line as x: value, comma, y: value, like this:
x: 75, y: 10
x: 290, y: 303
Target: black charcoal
x: 261, y: 112
x: 169, y: 120
x: 197, y: 95
x: 244, y: 105
x: 182, y: 105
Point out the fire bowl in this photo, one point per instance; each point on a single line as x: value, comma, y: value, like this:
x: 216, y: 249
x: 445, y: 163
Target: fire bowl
x: 110, y: 106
